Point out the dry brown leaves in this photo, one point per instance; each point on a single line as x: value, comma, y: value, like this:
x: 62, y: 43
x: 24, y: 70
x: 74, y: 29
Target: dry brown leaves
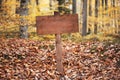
x: 34, y: 60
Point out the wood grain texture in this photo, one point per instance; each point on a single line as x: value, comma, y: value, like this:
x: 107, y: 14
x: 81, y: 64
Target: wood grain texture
x: 59, y: 64
x: 57, y: 24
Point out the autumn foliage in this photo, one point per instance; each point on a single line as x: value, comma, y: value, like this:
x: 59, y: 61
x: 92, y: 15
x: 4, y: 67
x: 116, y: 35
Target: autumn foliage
x: 27, y: 59
x: 83, y: 58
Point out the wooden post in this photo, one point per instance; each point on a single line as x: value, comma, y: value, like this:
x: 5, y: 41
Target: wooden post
x: 59, y: 64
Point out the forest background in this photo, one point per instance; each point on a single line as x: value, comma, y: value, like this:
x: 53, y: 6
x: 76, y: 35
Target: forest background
x: 93, y: 53
x: 17, y: 17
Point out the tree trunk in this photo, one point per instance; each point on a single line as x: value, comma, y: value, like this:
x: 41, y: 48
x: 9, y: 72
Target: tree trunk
x: 23, y: 12
x: 90, y: 8
x: 113, y: 14
x: 74, y: 6
x: 103, y: 2
x: 84, y: 24
x: 37, y: 2
x: 106, y: 4
x: 113, y: 2
x: 60, y: 2
x: 50, y: 4
x: 0, y: 4
x: 96, y: 15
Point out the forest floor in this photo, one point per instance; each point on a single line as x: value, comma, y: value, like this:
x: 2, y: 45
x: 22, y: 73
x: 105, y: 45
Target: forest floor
x: 22, y: 59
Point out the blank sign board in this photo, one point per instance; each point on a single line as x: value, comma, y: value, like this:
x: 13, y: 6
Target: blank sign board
x: 57, y: 24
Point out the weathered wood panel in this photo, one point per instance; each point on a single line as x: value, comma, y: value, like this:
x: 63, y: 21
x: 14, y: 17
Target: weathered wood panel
x: 57, y: 24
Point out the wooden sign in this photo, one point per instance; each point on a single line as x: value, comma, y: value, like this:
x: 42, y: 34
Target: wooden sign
x: 57, y: 24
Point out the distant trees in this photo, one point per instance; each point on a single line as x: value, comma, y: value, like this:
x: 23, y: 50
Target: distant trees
x: 90, y: 8
x: 23, y: 12
x: 96, y: 16
x: 0, y: 4
x: 60, y: 3
x: 103, y: 16
x: 74, y: 4
x: 50, y: 4
x: 62, y: 8
x: 84, y: 24
x: 37, y: 2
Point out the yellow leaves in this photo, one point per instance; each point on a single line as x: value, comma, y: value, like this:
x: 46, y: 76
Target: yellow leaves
x: 98, y: 19
x: 8, y: 10
x: 111, y: 9
x: 44, y: 5
x: 92, y: 19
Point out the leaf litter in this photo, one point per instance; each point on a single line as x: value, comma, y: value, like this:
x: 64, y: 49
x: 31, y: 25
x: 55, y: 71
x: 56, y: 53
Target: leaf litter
x: 35, y: 60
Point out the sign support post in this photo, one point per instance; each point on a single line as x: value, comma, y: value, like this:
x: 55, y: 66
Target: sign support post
x: 59, y: 64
